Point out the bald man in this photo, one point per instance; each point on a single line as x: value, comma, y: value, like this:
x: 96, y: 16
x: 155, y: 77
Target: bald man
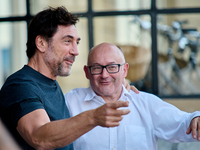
x: 150, y: 117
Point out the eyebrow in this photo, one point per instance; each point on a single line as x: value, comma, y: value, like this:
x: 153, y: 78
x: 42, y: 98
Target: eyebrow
x: 97, y: 64
x: 69, y: 36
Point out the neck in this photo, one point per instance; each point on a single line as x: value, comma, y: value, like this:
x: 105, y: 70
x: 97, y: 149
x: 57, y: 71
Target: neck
x: 109, y: 99
x: 39, y: 65
x: 112, y: 97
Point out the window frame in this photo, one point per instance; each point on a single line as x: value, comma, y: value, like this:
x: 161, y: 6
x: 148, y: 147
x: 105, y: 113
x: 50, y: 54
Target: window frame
x: 153, y: 12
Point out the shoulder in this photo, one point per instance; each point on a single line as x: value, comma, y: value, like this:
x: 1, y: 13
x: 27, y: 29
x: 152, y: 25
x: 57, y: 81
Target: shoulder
x: 150, y: 101
x: 145, y: 98
x: 18, y: 82
x: 77, y: 93
x: 144, y: 95
x: 18, y: 78
x: 80, y: 90
x: 17, y: 87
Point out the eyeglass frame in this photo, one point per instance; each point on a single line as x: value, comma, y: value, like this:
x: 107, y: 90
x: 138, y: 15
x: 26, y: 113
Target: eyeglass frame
x: 106, y: 68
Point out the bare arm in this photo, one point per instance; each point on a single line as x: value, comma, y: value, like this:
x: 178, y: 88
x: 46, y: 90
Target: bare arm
x: 42, y: 134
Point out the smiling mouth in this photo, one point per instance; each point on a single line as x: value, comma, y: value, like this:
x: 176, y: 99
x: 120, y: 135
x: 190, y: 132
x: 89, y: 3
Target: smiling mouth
x: 104, y: 82
x: 69, y: 61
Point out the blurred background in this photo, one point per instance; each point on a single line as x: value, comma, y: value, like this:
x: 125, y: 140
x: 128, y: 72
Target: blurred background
x: 160, y: 40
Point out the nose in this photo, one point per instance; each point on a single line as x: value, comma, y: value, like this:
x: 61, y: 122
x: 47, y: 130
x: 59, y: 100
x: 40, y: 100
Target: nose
x: 104, y: 73
x: 74, y: 50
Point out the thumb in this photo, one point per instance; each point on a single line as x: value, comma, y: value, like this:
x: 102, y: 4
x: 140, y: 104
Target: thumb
x: 189, y: 130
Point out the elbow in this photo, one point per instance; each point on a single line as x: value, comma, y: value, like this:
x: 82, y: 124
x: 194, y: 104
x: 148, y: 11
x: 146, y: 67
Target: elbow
x: 39, y: 144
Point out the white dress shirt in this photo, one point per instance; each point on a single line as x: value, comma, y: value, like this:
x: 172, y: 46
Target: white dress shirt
x: 150, y: 118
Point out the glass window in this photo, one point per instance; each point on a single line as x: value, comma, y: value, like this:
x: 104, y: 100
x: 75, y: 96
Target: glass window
x: 72, y: 6
x: 178, y: 51
x: 121, y: 30
x: 10, y: 8
x: 133, y: 38
x: 119, y: 5
x: 77, y: 77
x: 161, y: 4
x: 12, y: 49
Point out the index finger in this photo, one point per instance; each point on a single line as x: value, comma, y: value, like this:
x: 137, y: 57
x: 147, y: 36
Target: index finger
x: 119, y: 104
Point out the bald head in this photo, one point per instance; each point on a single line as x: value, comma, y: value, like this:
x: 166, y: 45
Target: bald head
x: 108, y: 61
x: 105, y: 48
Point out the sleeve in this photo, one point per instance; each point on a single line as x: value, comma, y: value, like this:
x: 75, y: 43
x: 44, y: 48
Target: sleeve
x: 25, y: 107
x: 19, y: 109
x: 169, y: 122
x: 19, y: 99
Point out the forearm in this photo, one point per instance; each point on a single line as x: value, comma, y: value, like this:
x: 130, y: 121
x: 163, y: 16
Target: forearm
x: 60, y: 133
x: 42, y: 134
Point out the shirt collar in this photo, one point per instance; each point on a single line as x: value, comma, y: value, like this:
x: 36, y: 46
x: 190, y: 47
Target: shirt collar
x: 91, y: 94
x: 125, y: 93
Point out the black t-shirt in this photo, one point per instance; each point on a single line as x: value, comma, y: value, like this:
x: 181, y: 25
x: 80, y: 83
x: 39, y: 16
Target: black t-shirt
x: 28, y: 90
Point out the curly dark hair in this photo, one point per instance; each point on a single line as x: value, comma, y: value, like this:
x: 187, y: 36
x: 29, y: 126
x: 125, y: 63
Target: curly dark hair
x: 45, y: 23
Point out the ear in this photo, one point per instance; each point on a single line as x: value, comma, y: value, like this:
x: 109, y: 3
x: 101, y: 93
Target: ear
x: 126, y: 66
x: 41, y: 43
x: 86, y: 69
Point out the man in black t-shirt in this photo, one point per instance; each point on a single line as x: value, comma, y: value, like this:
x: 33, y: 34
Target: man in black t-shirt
x: 32, y: 104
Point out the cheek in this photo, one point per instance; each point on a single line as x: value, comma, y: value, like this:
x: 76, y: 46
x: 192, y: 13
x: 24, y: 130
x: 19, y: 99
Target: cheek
x: 94, y: 80
x: 60, y: 52
x: 49, y: 56
x: 119, y: 79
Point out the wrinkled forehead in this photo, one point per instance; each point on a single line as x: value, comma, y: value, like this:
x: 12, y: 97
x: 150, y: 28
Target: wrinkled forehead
x: 104, y: 54
x: 71, y: 30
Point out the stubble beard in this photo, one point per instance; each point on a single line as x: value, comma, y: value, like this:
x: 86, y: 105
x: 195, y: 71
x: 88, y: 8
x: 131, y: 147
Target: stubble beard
x: 58, y: 69
x: 63, y: 71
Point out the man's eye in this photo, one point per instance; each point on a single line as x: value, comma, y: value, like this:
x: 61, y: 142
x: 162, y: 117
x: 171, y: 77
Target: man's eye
x: 112, y: 67
x: 97, y: 67
x: 67, y: 41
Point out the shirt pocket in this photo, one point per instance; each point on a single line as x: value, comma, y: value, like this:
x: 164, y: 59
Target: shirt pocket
x: 135, y: 138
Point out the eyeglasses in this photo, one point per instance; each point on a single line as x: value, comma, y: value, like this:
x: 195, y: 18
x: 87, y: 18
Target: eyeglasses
x: 98, y: 69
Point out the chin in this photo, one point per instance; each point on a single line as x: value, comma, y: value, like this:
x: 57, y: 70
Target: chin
x: 64, y: 73
x: 64, y: 70
x: 106, y: 92
x: 67, y: 73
